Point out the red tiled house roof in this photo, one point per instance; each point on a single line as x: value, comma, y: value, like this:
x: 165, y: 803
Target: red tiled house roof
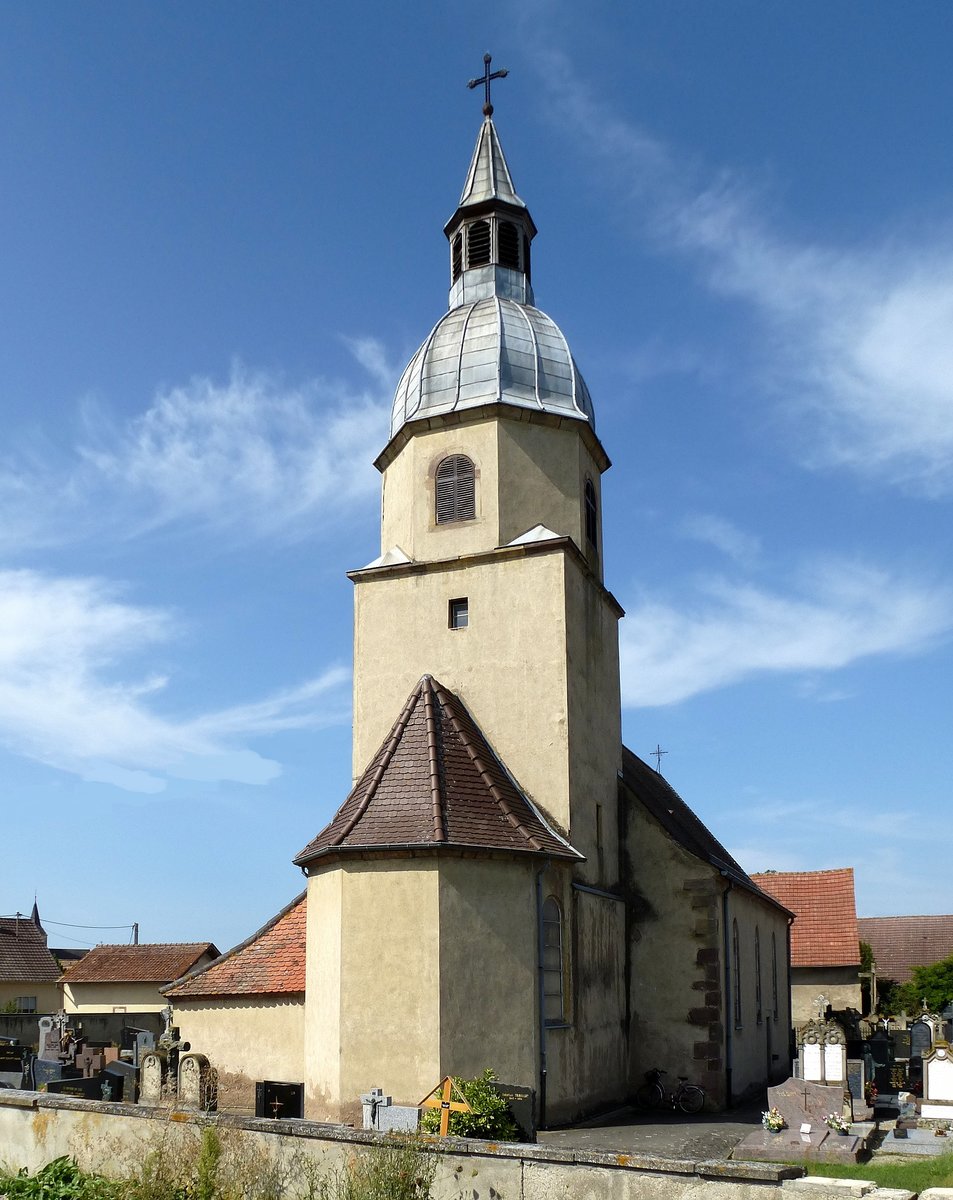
x: 24, y: 957
x: 158, y: 962
x: 270, y: 962
x: 902, y: 943
x: 435, y: 783
x: 824, y: 932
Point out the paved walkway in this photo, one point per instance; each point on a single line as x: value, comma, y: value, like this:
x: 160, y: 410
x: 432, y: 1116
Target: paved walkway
x: 667, y: 1135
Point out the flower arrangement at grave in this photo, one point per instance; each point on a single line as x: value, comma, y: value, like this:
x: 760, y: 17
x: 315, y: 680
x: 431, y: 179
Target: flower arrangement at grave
x: 870, y: 1091
x: 773, y: 1121
x: 837, y: 1123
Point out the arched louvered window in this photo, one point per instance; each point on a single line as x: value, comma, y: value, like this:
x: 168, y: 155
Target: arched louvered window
x: 478, y: 244
x: 757, y: 974
x: 455, y: 491
x: 526, y: 270
x: 456, y: 258
x: 592, y: 511
x: 554, y: 1009
x: 508, y: 241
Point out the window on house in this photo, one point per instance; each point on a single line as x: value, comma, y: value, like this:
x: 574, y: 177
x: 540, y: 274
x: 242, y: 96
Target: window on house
x: 509, y: 245
x: 456, y: 257
x: 592, y: 525
x: 26, y: 1004
x: 478, y: 244
x: 757, y: 974
x: 736, y: 971
x: 774, y: 974
x: 459, y: 617
x: 455, y: 490
x: 554, y: 1011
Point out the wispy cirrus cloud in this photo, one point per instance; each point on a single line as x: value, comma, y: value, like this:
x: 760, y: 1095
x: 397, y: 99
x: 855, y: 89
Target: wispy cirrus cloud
x: 71, y: 697
x: 716, y: 531
x: 723, y: 631
x: 858, y: 348
x: 248, y: 457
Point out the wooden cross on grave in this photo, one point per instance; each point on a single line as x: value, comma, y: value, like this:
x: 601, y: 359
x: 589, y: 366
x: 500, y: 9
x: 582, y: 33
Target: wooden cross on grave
x: 485, y: 80
x: 447, y: 1089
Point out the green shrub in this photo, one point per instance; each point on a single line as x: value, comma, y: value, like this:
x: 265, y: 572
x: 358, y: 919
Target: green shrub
x: 490, y: 1119
x: 60, y: 1179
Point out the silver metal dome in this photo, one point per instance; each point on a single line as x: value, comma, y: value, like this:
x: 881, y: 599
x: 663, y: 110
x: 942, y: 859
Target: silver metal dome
x: 493, y: 350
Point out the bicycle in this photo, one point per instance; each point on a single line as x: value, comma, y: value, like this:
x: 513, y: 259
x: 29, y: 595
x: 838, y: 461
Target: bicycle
x: 689, y: 1097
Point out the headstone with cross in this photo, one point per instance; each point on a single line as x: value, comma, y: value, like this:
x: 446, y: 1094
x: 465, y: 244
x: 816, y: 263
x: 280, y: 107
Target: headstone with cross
x: 445, y: 1101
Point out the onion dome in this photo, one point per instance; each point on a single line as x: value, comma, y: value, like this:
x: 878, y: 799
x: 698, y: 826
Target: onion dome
x: 493, y: 346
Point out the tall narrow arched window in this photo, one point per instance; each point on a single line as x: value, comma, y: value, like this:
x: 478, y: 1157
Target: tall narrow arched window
x: 478, y: 244
x: 736, y: 972
x: 592, y: 513
x: 757, y: 975
x: 508, y: 243
x: 455, y: 490
x: 456, y: 257
x: 551, y: 968
x: 774, y: 974
x: 526, y: 271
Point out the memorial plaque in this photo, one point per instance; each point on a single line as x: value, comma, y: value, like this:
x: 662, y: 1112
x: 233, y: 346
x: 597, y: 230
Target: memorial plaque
x: 279, y: 1100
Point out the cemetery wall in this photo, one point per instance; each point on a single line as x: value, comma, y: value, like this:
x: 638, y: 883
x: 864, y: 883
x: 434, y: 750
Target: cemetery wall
x: 110, y: 997
x: 46, y: 995
x: 840, y: 985
x: 245, y: 1038
x: 36, y: 1128
x: 676, y: 961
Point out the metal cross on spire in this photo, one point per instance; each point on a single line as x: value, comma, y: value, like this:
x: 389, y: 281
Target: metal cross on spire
x: 657, y: 755
x: 485, y: 80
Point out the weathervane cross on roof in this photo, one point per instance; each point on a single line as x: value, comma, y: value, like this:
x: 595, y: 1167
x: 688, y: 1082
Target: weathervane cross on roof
x: 485, y: 80
x: 657, y: 755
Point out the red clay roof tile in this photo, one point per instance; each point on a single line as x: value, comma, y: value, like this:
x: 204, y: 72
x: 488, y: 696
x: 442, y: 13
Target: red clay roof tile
x: 824, y: 933
x: 901, y: 943
x: 24, y: 957
x: 156, y: 962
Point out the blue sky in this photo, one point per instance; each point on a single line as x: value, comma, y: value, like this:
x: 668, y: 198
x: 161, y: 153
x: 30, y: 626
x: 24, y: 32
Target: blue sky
x: 221, y: 241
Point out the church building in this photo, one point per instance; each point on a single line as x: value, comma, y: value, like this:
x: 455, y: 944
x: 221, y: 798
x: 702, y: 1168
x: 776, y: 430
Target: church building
x: 506, y: 885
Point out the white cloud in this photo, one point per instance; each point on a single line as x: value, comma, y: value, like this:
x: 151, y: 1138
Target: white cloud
x: 723, y: 535
x: 70, y: 699
x: 860, y: 347
x: 727, y: 631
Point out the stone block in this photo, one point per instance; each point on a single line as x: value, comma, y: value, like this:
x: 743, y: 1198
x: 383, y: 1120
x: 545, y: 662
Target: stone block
x: 937, y: 1193
x: 705, y: 1050
x: 702, y: 1016
x: 825, y: 1186
x: 706, y: 955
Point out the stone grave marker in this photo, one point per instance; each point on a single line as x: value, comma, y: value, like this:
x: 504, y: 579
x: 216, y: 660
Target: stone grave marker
x: 823, y: 1052
x: 381, y: 1113
x: 195, y: 1080
x: 152, y: 1078
x: 279, y: 1100
x: 122, y: 1079
x: 145, y: 1041
x: 45, y: 1071
x: 900, y: 1040
x: 938, y: 1083
x: 921, y: 1038
x: 804, y: 1105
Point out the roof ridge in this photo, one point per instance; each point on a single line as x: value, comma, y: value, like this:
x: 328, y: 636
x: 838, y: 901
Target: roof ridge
x: 436, y: 791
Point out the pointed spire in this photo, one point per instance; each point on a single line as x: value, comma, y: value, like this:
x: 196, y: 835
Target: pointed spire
x: 489, y: 175
x: 35, y: 915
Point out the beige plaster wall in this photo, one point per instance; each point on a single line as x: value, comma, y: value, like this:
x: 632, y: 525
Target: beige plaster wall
x: 373, y: 988
x: 113, y: 997
x: 840, y: 985
x: 245, y: 1038
x: 508, y: 666
x: 47, y: 995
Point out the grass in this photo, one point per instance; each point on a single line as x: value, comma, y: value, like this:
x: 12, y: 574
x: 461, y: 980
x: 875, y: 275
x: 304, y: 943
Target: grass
x: 912, y: 1174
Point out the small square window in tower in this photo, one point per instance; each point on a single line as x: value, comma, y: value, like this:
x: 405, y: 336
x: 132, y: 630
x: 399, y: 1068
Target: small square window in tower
x: 459, y: 615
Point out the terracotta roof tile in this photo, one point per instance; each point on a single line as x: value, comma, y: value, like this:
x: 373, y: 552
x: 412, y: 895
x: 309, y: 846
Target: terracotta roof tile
x: 824, y: 933
x: 24, y: 957
x: 901, y: 943
x: 270, y: 962
x: 436, y: 782
x: 157, y: 962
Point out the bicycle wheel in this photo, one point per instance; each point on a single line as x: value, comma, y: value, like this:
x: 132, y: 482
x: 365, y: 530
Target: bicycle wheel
x: 649, y: 1095
x: 691, y: 1099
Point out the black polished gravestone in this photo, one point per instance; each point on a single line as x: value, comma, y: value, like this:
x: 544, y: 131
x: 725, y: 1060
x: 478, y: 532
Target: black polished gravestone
x: 279, y: 1100
x: 86, y: 1088
x: 900, y: 1040
x: 44, y: 1071
x: 122, y: 1078
x: 522, y: 1105
x: 921, y: 1038
x: 12, y: 1063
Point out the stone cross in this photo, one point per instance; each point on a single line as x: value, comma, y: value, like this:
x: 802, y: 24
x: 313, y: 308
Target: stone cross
x: 485, y: 80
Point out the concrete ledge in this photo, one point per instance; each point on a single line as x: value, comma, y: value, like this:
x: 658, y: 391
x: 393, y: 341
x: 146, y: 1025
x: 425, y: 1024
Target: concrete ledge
x: 823, y: 1185
x: 759, y: 1172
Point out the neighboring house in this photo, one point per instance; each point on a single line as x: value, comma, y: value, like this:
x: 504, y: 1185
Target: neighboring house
x: 825, y: 942
x: 246, y: 1009
x: 128, y: 978
x: 505, y: 885
x: 901, y: 943
x: 28, y: 970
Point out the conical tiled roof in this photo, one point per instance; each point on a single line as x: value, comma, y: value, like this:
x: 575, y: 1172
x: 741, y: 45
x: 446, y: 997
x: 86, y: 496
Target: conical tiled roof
x: 435, y: 782
x: 489, y: 177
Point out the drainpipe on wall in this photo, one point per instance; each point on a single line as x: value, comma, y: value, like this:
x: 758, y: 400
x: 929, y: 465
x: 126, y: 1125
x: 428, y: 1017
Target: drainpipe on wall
x: 729, y: 1005
x: 541, y: 1115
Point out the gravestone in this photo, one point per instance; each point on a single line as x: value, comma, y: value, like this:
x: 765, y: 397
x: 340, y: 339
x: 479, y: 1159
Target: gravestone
x: 921, y: 1038
x: 11, y: 1065
x: 381, y: 1113
x: 145, y: 1040
x: 823, y: 1052
x: 522, y: 1105
x: 195, y: 1083
x: 279, y: 1101
x: 82, y: 1086
x: 122, y: 1079
x: 803, y: 1105
x: 938, y: 1083
x: 900, y: 1040
x: 856, y: 1079
x: 45, y: 1071
x: 152, y: 1078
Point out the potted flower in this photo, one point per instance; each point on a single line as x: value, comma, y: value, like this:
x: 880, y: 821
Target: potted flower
x: 773, y: 1121
x: 836, y: 1123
